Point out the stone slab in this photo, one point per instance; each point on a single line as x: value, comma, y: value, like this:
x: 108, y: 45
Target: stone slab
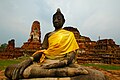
x: 66, y: 78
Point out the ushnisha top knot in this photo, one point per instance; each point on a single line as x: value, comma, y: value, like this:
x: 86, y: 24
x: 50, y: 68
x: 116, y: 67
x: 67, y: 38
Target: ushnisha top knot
x: 58, y: 10
x: 59, y: 13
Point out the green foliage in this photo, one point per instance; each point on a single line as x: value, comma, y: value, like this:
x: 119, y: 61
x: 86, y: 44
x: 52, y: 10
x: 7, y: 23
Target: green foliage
x: 3, y: 46
x: 104, y: 66
x: 5, y: 63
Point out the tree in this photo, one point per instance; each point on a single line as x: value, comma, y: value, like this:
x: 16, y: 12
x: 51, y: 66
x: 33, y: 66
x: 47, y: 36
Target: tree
x: 4, y: 45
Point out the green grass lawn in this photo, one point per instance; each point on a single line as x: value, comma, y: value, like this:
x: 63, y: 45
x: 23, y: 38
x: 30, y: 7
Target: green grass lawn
x: 5, y: 63
x: 104, y: 66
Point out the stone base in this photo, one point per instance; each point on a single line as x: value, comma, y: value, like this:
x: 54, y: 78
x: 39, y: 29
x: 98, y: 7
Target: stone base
x: 92, y: 75
x: 34, y: 72
x: 66, y: 78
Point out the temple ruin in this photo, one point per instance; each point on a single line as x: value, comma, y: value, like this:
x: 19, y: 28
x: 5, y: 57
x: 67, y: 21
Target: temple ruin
x: 11, y: 45
x: 34, y: 41
x: 101, y: 51
x: 29, y: 47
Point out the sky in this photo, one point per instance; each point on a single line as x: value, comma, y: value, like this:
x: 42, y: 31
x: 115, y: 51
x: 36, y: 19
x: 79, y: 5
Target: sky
x: 93, y: 18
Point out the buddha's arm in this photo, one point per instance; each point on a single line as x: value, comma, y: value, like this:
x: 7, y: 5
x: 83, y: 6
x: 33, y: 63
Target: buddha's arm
x: 37, y: 55
x: 45, y: 41
x: 62, y: 63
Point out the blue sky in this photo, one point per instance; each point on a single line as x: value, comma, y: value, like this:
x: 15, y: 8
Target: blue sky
x: 93, y: 18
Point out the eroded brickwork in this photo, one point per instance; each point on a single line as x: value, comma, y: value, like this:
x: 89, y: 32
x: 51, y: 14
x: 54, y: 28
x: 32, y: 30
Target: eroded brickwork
x: 34, y: 41
x: 11, y: 45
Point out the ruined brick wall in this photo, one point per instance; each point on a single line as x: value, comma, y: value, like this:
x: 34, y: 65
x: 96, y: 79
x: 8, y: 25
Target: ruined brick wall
x: 11, y: 45
x: 34, y: 41
x: 35, y: 34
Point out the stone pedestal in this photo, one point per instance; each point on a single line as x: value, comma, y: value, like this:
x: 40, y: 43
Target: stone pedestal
x: 35, y: 70
x: 65, y: 78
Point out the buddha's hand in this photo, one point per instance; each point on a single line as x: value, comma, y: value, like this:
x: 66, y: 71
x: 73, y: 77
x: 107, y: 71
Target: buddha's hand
x: 36, y: 56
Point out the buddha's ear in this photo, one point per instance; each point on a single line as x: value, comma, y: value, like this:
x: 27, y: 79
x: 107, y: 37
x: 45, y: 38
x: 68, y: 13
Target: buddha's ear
x: 63, y: 21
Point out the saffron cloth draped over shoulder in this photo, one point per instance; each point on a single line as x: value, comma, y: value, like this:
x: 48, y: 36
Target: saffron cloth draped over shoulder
x: 60, y: 43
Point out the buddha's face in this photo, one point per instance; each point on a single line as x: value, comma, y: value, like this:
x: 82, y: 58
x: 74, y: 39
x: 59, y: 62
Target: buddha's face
x: 58, y: 21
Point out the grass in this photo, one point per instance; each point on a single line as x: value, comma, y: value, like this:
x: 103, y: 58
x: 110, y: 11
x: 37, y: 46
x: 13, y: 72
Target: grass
x: 104, y: 66
x: 5, y: 63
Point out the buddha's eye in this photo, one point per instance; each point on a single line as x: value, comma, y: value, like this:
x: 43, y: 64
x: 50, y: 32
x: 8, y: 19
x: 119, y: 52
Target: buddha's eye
x: 59, y: 17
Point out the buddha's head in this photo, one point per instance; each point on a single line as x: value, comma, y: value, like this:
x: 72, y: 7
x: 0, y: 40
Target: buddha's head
x: 58, y: 19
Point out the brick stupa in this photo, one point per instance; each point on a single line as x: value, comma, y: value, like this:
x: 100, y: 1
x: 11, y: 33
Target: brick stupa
x: 11, y: 45
x: 34, y: 41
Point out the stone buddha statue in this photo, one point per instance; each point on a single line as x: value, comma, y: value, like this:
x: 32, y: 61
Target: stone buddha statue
x: 55, y: 59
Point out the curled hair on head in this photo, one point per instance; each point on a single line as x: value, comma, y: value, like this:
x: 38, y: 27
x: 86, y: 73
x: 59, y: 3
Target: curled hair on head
x: 59, y: 13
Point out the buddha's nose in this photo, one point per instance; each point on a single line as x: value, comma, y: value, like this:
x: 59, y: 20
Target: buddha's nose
x: 56, y: 21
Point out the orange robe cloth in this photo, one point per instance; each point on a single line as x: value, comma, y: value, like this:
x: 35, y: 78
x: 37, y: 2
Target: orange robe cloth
x: 60, y: 43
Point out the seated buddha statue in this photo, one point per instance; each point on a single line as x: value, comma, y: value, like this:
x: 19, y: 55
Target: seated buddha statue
x: 55, y: 58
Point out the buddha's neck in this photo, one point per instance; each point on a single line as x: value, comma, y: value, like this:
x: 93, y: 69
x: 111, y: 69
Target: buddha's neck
x: 58, y: 29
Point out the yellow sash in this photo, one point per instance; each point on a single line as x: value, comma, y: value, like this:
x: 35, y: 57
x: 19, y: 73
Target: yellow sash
x: 60, y: 43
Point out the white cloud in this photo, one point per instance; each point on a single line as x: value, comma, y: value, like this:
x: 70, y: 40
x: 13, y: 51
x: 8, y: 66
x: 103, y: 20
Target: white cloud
x: 92, y: 17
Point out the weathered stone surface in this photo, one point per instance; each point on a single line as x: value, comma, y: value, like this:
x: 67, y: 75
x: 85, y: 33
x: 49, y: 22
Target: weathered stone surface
x: 34, y: 42
x: 35, y: 33
x: 65, y: 78
x: 92, y: 75
x: 31, y: 45
x: 10, y: 51
x: 11, y: 45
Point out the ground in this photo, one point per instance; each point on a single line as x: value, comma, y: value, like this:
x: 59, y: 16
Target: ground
x: 112, y: 74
